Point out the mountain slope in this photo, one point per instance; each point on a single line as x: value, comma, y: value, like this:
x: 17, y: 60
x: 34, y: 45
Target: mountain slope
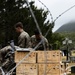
x: 69, y: 27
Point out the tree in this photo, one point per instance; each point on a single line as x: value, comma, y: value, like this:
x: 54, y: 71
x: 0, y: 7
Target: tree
x: 56, y: 40
x: 13, y: 11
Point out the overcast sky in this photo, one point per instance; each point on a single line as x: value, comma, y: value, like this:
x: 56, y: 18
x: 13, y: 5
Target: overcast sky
x: 57, y: 7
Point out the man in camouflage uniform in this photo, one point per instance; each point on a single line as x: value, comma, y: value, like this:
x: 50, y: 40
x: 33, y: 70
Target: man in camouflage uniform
x: 35, y: 39
x: 3, y: 53
x: 5, y: 57
x: 24, y: 38
x: 23, y: 42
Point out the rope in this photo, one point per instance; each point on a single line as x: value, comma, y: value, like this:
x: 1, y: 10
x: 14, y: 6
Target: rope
x: 2, y: 71
x: 36, y: 46
x: 47, y: 10
x: 40, y: 33
x: 57, y: 18
x: 37, y: 25
x: 64, y: 12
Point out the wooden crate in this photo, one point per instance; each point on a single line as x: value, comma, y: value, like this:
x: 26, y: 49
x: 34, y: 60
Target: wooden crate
x: 27, y: 69
x: 49, y: 56
x: 51, y: 69
x: 20, y: 55
x: 63, y: 67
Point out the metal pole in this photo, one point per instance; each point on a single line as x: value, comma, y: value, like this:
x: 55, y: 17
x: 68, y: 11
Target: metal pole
x: 67, y: 49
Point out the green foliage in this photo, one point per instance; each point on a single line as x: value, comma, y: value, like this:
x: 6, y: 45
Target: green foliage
x: 13, y: 11
x: 71, y: 36
x: 9, y: 15
x: 68, y: 30
x: 57, y: 40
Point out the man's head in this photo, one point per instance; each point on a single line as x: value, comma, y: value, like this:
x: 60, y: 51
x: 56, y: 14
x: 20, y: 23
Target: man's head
x: 37, y: 34
x: 18, y: 27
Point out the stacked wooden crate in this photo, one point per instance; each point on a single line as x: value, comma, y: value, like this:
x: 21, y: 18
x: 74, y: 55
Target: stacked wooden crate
x: 49, y: 62
x: 39, y: 63
x: 28, y: 66
x: 63, y: 67
x: 51, y: 69
x: 26, y: 69
x: 49, y: 56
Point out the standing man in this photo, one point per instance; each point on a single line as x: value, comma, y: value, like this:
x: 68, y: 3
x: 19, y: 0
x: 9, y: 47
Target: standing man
x: 36, y: 38
x: 24, y: 38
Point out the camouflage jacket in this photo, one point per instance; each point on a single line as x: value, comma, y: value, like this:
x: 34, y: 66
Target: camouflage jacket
x: 34, y: 43
x: 24, y: 40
